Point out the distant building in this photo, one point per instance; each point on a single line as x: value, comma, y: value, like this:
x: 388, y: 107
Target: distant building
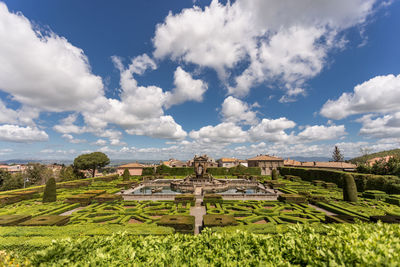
x: 133, y: 168
x: 291, y: 163
x: 371, y: 162
x: 13, y: 168
x: 227, y: 162
x: 174, y: 163
x: 243, y: 162
x: 266, y: 163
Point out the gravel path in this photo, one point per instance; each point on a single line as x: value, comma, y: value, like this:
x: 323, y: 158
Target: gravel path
x: 198, y: 211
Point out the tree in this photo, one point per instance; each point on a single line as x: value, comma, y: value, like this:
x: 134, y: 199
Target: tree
x: 337, y: 155
x: 67, y: 174
x: 91, y: 161
x: 126, y: 175
x: 11, y: 181
x: 274, y: 174
x: 50, y: 194
x: 35, y: 173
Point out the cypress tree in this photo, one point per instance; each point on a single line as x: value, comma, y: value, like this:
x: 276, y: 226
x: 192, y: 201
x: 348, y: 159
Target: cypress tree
x: 50, y: 194
x: 274, y: 175
x: 126, y: 175
x: 349, y: 188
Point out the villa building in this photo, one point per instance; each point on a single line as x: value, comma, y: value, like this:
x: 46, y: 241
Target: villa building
x: 133, y: 168
x: 266, y: 163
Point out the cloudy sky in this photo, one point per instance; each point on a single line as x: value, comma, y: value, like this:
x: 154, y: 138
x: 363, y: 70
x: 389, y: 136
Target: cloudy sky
x: 158, y: 79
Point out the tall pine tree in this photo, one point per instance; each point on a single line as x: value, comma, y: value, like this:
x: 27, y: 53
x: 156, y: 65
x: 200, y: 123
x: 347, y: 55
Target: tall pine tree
x: 337, y: 155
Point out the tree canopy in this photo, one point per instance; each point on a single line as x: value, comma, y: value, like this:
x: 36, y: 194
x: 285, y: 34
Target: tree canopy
x: 91, y: 161
x: 337, y: 155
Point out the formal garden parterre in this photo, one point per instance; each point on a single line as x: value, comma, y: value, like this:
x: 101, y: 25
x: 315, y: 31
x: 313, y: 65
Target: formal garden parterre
x: 93, y: 207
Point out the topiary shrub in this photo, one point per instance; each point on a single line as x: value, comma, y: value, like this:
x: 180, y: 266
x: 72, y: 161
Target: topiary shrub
x: 274, y: 175
x: 50, y: 194
x: 126, y: 175
x: 349, y: 188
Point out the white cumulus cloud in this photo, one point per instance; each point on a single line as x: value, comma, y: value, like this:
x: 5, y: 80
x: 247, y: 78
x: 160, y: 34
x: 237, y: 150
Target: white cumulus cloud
x: 15, y: 133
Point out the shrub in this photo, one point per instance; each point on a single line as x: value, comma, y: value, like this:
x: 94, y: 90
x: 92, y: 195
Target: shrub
x: 28, y: 194
x: 50, y: 194
x: 126, y: 175
x: 212, y: 220
x: 181, y: 223
x: 349, y: 189
x: 83, y: 199
x: 274, y: 174
x: 9, y: 199
x: 126, y: 184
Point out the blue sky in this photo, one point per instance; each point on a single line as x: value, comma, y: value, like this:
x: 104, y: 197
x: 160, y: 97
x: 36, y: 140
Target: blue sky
x: 161, y: 79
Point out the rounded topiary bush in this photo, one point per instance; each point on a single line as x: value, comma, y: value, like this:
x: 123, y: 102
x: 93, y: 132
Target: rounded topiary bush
x: 349, y: 188
x: 50, y: 194
x: 126, y: 175
x: 274, y: 174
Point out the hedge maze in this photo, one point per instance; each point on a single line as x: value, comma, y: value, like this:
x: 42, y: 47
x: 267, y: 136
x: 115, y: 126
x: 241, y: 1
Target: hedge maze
x: 262, y: 212
x: 129, y: 212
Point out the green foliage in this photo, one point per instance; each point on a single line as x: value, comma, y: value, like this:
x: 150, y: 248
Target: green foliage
x: 347, y: 245
x: 126, y: 175
x: 50, y: 194
x: 389, y: 184
x: 274, y: 175
x: 38, y: 173
x: 91, y: 161
x: 212, y: 198
x: 148, y: 171
x: 10, y: 181
x: 349, y: 188
x: 68, y: 174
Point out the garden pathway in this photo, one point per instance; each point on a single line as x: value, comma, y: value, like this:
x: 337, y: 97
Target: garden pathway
x: 198, y: 212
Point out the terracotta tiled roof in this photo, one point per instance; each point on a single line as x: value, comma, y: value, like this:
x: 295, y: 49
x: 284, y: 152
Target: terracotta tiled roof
x: 265, y: 158
x: 227, y: 160
x: 131, y: 165
x: 291, y: 162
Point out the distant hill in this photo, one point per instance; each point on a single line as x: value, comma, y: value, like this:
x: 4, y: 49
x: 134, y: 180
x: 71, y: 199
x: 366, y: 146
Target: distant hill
x: 362, y: 159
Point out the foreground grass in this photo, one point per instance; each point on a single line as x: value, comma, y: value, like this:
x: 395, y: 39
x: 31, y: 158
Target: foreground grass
x: 337, y: 245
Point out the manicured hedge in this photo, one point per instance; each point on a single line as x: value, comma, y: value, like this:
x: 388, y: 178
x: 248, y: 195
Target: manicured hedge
x: 212, y: 198
x: 185, y: 198
x: 387, y: 183
x: 292, y: 198
x: 239, y: 170
x: 9, y: 220
x: 213, y: 220
x: 48, y: 220
x: 181, y: 223
x: 177, y: 171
